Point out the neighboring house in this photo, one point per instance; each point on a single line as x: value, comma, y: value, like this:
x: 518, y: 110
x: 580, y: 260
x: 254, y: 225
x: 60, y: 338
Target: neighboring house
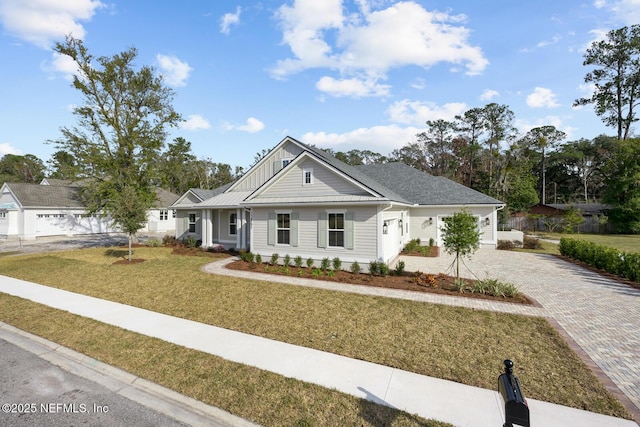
x: 54, y: 208
x: 549, y: 217
x: 299, y: 200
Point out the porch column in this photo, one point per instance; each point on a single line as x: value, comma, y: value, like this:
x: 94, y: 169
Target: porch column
x: 206, y: 228
x: 239, y: 228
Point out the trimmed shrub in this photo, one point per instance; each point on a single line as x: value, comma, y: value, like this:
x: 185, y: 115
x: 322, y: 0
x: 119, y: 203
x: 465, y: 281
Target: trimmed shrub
x: 286, y: 261
x: 337, y: 264
x: 325, y: 264
x: 297, y: 261
x: 624, y: 264
x: 373, y: 268
x: 531, y: 243
x: 506, y: 245
x: 309, y: 262
x: 153, y: 242
x: 274, y: 258
x: 258, y: 259
x: 399, y: 270
x: 355, y: 268
x: 190, y: 242
x: 169, y: 240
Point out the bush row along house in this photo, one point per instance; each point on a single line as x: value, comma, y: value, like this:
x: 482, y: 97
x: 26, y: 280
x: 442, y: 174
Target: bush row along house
x: 301, y: 201
x: 54, y: 208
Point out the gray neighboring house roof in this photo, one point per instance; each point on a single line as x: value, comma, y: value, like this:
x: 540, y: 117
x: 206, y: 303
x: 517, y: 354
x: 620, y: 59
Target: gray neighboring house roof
x: 46, y: 196
x: 64, y: 196
x: 165, y: 198
x: 420, y: 188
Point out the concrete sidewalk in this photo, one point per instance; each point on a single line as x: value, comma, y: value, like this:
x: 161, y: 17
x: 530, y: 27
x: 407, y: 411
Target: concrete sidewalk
x: 428, y: 397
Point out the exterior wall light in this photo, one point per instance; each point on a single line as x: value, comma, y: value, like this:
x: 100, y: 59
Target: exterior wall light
x: 385, y: 228
x: 400, y: 224
x: 486, y: 222
x: 430, y: 221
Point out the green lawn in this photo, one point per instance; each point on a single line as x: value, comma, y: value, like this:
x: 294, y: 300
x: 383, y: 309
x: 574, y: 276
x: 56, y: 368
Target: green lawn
x: 458, y: 344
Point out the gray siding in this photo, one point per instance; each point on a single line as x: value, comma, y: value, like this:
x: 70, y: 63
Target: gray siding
x: 365, y: 235
x: 223, y: 221
x: 325, y: 183
x: 260, y: 174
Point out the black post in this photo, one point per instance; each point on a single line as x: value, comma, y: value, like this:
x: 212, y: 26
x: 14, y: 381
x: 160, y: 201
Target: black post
x: 516, y: 410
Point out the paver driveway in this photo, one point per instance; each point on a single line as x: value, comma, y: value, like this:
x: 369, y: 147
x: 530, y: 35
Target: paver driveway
x: 600, y: 314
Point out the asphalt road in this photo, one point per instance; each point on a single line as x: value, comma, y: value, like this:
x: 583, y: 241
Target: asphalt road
x: 34, y: 392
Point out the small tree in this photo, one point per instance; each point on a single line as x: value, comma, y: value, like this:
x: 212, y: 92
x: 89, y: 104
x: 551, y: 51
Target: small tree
x: 460, y: 236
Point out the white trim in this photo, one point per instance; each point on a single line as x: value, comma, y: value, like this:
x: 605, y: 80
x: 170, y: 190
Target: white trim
x: 306, y: 171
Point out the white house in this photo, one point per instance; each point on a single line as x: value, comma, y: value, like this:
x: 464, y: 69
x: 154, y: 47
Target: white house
x: 54, y: 208
x: 299, y: 200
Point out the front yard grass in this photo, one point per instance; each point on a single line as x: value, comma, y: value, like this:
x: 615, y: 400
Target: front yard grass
x: 263, y: 397
x: 457, y: 344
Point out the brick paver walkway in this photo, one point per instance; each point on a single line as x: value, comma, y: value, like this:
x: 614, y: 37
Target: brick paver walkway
x: 601, y: 315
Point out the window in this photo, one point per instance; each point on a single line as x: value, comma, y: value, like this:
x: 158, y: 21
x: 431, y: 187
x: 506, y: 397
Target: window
x: 336, y: 229
x: 283, y: 228
x: 192, y: 223
x: 164, y: 214
x: 3, y: 215
x: 233, y: 224
x: 285, y: 162
x: 307, y: 176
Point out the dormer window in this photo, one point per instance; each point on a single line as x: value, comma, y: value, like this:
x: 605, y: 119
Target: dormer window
x: 307, y: 176
x: 285, y: 162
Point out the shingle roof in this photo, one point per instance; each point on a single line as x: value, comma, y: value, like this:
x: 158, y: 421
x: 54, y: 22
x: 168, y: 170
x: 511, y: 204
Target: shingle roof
x: 62, y: 196
x: 165, y: 198
x: 423, y: 189
x: 49, y: 196
x: 207, y: 194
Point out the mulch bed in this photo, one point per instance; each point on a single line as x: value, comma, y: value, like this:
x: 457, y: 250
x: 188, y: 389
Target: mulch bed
x: 443, y: 284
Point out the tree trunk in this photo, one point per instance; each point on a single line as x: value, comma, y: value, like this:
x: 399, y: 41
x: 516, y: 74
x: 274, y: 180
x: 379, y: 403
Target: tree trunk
x: 130, y: 250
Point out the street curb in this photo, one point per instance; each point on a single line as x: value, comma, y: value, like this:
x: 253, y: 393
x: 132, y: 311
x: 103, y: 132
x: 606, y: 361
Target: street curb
x: 160, y: 399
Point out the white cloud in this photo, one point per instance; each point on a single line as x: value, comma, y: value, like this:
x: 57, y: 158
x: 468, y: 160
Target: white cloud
x: 382, y: 139
x: 489, y: 94
x: 542, y: 97
x: 627, y: 11
x: 554, y: 40
x: 355, y: 88
x: 61, y: 64
x: 195, y: 122
x: 174, y: 71
x: 41, y: 22
x: 370, y: 43
x: 417, y: 112
x: 229, y: 19
x: 6, y: 148
x: 252, y: 125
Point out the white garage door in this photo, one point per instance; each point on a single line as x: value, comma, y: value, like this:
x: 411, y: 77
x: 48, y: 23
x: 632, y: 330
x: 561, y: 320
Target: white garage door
x: 51, y: 224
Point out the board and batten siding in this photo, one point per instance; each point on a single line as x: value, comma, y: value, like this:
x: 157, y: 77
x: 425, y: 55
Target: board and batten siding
x: 324, y: 183
x: 365, y: 234
x: 258, y: 175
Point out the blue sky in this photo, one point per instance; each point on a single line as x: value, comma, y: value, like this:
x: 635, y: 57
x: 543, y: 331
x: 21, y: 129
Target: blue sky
x: 363, y: 74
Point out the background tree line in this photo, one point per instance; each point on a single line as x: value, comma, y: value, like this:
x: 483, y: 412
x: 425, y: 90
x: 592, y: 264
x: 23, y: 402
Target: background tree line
x: 119, y: 142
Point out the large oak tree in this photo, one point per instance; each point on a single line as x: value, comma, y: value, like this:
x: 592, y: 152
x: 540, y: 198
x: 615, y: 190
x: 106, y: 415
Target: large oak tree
x: 121, y: 130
